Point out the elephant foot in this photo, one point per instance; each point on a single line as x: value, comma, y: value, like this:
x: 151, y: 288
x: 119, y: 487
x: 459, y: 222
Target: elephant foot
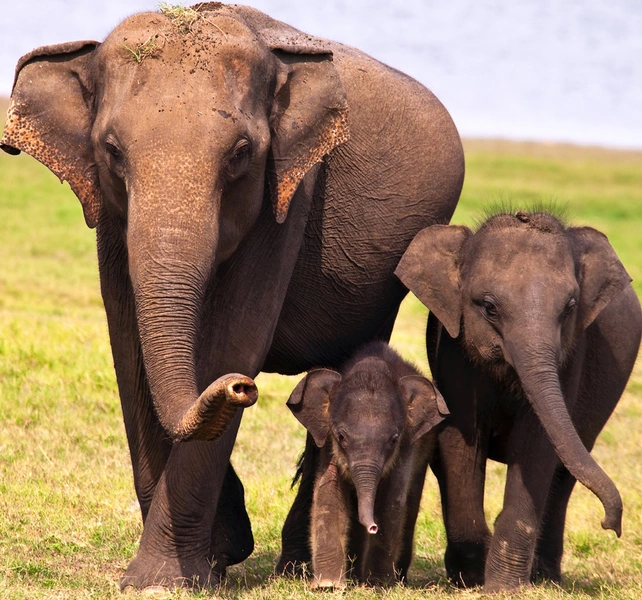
x: 465, y: 563
x: 500, y: 587
x: 325, y: 584
x: 215, y: 408
x: 544, y: 570
x: 153, y: 574
x: 153, y: 591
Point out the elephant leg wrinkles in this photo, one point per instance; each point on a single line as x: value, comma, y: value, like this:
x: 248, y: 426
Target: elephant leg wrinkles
x: 531, y: 465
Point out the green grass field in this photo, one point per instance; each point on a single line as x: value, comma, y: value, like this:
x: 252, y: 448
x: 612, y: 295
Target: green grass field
x: 69, y: 523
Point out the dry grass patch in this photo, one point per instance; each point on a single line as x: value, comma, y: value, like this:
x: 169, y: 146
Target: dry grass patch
x: 145, y: 49
x: 181, y: 17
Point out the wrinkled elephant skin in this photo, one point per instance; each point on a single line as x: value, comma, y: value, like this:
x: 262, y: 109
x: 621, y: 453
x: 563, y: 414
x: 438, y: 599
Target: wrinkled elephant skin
x: 253, y: 189
x: 533, y: 332
x: 373, y: 423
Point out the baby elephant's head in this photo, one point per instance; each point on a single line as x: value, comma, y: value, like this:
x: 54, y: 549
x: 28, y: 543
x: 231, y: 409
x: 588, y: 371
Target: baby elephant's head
x: 369, y: 417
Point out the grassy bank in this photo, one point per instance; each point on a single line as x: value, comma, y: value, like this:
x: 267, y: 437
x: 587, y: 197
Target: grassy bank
x: 68, y: 519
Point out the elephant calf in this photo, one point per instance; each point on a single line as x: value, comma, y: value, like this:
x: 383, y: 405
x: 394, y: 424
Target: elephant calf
x: 370, y: 422
x: 533, y: 333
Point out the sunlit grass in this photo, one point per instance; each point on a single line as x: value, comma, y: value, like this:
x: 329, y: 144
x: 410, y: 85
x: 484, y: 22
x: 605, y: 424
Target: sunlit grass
x: 68, y: 518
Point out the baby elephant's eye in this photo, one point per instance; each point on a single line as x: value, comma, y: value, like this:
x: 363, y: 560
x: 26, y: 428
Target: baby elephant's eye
x: 394, y: 438
x: 342, y: 439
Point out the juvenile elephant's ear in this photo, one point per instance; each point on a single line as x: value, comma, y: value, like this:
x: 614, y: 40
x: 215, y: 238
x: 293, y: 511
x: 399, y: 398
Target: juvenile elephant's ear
x: 425, y: 406
x: 310, y: 114
x: 430, y: 270
x: 601, y: 274
x: 49, y: 118
x: 310, y: 402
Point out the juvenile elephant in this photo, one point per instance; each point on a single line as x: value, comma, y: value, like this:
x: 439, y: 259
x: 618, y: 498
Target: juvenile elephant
x: 533, y: 332
x: 253, y: 189
x: 372, y: 422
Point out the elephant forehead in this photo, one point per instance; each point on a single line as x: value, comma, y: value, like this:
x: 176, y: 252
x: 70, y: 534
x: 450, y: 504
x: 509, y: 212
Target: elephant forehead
x: 522, y: 249
x: 152, y: 49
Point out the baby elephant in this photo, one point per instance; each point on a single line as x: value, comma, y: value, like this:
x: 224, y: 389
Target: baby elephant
x: 371, y: 422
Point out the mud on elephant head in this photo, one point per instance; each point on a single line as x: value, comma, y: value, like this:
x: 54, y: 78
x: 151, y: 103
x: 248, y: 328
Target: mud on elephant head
x: 100, y: 120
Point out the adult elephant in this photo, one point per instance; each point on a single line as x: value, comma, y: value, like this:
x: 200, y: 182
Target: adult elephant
x: 253, y: 189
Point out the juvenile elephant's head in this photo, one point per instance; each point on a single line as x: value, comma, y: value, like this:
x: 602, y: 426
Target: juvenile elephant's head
x: 368, y: 417
x: 519, y: 292
x: 173, y: 129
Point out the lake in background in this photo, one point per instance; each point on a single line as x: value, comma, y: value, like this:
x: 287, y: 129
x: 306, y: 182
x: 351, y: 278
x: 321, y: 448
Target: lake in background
x: 548, y: 70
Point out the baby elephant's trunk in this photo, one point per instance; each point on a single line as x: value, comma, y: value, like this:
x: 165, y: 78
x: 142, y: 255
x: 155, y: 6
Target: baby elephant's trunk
x: 366, y: 478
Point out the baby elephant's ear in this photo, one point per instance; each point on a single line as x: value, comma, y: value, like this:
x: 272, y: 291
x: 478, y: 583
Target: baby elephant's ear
x: 310, y: 402
x: 426, y: 406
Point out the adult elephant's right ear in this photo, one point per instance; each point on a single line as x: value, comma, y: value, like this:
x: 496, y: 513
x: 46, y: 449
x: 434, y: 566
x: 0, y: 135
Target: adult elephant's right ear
x: 50, y: 118
x: 430, y: 270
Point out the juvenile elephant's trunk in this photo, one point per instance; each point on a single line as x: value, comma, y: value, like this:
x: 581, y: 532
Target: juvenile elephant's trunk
x: 171, y: 254
x: 540, y: 380
x: 366, y: 477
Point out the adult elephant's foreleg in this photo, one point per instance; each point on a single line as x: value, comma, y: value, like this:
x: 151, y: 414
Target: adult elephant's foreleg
x: 149, y: 446
x: 175, y: 546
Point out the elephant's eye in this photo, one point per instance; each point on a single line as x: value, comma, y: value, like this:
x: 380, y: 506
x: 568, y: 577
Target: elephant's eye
x: 489, y: 308
x: 239, y: 158
x: 115, y: 159
x: 570, y: 307
x: 114, y: 152
x: 394, y: 438
x: 342, y: 438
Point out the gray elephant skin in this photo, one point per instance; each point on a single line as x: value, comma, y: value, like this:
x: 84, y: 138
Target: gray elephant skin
x: 533, y: 332
x: 252, y: 189
x: 373, y: 422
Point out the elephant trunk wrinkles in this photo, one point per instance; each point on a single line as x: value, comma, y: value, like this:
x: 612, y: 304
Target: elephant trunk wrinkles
x: 366, y: 477
x: 170, y: 267
x: 540, y: 380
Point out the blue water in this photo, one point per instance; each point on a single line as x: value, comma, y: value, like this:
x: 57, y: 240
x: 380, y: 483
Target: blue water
x: 554, y: 70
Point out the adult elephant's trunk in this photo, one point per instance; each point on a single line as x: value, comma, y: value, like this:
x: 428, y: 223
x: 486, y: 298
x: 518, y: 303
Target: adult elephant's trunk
x: 538, y: 373
x: 172, y: 249
x: 366, y: 476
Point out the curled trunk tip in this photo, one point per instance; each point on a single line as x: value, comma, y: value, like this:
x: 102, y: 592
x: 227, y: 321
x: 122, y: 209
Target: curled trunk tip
x: 613, y: 517
x: 215, y: 408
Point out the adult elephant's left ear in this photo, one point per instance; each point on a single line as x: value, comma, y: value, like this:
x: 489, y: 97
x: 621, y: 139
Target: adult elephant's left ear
x: 49, y: 118
x: 310, y: 113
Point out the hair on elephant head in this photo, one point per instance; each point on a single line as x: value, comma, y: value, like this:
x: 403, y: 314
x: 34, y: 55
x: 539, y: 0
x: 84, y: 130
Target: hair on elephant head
x: 532, y: 304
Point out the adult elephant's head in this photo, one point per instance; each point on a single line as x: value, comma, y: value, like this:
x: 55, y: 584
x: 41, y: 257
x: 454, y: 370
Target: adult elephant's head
x: 173, y: 127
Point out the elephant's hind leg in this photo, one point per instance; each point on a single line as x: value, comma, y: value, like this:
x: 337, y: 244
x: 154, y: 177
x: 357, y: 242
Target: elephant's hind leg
x: 295, y: 535
x: 232, y: 539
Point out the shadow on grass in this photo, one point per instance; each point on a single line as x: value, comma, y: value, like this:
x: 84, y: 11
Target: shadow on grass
x: 258, y: 571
